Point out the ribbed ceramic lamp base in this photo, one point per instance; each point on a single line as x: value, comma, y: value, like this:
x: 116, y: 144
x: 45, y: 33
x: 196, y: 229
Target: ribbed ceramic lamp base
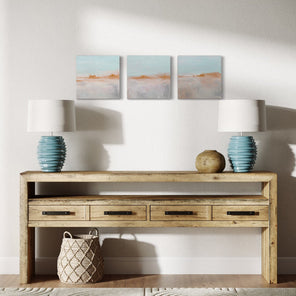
x: 242, y: 152
x: 51, y: 153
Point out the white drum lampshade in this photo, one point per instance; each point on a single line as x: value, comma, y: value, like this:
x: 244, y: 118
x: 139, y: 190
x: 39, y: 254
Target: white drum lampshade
x: 51, y: 116
x: 242, y: 115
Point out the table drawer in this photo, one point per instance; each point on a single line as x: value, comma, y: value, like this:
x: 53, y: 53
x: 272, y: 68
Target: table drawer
x: 180, y: 213
x: 62, y: 213
x: 118, y: 213
x: 240, y: 213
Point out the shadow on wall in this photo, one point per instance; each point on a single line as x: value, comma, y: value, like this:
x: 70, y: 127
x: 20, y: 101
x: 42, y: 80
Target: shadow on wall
x: 278, y: 154
x: 113, y: 249
x: 96, y: 127
x: 279, y: 118
x: 224, y: 16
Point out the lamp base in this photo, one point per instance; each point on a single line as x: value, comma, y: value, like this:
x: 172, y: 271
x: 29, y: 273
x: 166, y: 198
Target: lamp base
x: 242, y: 152
x: 51, y: 153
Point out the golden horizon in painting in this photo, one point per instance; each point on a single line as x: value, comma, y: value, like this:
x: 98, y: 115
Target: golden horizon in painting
x: 148, y: 77
x: 199, y: 77
x: 97, y: 77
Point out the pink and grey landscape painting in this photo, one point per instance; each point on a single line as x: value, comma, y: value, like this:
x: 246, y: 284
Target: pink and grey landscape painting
x: 199, y: 77
x: 148, y: 77
x: 97, y: 77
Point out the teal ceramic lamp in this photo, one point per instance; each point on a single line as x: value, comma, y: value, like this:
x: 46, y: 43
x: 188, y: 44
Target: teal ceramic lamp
x: 242, y: 115
x: 51, y: 116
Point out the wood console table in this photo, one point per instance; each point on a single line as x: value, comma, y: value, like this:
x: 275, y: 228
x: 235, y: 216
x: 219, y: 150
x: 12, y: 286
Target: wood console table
x: 148, y: 210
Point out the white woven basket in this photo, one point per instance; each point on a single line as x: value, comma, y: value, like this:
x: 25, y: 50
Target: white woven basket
x: 80, y: 259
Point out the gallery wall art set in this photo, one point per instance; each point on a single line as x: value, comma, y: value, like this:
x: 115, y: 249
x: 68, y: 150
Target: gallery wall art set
x: 148, y: 77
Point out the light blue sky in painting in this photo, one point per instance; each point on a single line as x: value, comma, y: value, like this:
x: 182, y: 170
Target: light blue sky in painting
x: 91, y: 64
x: 198, y: 64
x: 148, y: 65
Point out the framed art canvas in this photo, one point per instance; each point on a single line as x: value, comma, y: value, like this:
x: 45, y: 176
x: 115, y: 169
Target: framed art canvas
x: 199, y: 77
x: 148, y: 77
x: 97, y: 77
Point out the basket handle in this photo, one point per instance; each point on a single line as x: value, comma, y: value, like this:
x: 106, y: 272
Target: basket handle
x: 94, y: 231
x: 67, y: 233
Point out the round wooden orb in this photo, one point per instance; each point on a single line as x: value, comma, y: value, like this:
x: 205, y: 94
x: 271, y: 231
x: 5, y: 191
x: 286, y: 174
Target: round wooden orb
x: 210, y: 161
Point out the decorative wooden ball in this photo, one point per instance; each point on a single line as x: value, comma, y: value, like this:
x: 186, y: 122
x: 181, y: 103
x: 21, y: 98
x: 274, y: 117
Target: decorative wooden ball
x: 210, y: 161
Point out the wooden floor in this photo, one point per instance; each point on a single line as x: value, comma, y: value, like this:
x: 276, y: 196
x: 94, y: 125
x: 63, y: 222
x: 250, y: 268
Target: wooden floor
x: 157, y: 281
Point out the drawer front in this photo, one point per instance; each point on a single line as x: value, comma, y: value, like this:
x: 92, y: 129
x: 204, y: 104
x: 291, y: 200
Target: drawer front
x: 50, y: 213
x: 250, y: 213
x: 180, y: 213
x: 118, y: 213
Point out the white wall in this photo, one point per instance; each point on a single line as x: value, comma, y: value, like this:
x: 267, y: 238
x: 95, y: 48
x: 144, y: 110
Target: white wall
x: 39, y: 43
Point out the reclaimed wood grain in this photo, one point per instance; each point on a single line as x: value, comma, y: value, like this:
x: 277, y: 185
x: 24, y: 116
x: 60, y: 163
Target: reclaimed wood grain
x: 148, y: 209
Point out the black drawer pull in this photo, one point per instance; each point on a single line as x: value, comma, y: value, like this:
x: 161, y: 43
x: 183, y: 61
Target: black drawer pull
x: 53, y: 213
x: 241, y: 213
x: 179, y: 213
x: 118, y: 213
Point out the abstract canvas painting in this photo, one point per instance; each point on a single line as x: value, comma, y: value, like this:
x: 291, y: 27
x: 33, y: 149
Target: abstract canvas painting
x: 148, y: 77
x: 97, y: 77
x: 199, y: 77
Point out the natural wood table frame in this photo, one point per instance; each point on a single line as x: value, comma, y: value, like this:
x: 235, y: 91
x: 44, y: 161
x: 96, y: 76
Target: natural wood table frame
x: 148, y: 210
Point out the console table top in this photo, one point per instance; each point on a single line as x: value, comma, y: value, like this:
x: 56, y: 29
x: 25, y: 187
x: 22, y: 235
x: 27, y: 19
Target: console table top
x: 146, y: 176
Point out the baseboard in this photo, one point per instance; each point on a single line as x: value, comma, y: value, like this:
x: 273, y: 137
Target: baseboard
x: 170, y: 265
x: 9, y: 265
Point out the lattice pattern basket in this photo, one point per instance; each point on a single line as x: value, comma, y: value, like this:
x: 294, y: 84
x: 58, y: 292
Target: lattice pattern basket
x: 80, y: 259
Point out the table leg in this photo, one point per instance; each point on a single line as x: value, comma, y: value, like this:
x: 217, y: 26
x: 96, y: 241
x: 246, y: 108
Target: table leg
x: 265, y: 266
x: 273, y: 230
x: 27, y: 254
